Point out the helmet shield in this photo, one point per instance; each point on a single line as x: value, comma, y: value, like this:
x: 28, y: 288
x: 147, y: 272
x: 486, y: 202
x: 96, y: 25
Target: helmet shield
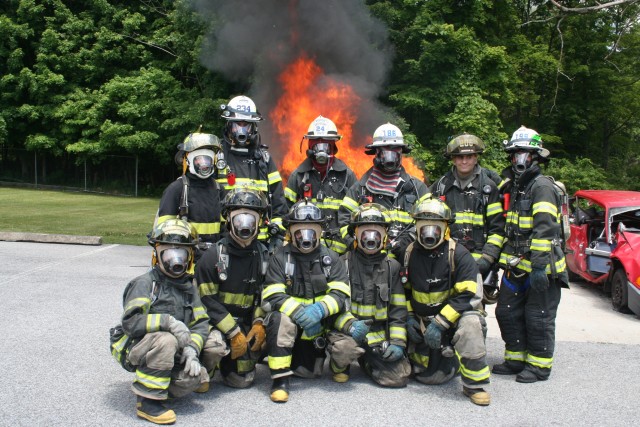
x: 306, y: 236
x: 431, y: 233
x: 244, y: 226
x: 389, y: 158
x: 306, y: 212
x: 173, y: 260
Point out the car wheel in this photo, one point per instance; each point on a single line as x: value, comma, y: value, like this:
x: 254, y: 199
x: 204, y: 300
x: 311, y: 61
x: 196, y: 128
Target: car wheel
x: 619, y: 291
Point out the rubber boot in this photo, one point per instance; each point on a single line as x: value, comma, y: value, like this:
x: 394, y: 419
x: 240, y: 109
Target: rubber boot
x: 154, y: 411
x: 280, y: 390
x: 508, y: 368
x: 341, y: 377
x: 531, y: 374
x: 477, y: 396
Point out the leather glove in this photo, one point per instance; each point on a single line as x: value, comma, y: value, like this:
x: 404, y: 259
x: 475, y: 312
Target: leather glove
x: 310, y: 315
x: 433, y: 336
x: 413, y: 329
x: 393, y: 353
x: 258, y: 334
x: 359, y: 330
x: 238, y: 345
x: 539, y: 278
x: 190, y: 359
x: 484, y: 266
x: 180, y: 331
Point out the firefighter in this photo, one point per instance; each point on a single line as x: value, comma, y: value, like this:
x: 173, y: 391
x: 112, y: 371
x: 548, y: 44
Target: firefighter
x: 445, y: 295
x: 164, y: 325
x: 195, y: 196
x: 534, y: 263
x: 388, y: 184
x: 373, y: 331
x: 475, y: 200
x: 229, y: 277
x: 249, y: 164
x: 322, y: 178
x: 306, y: 282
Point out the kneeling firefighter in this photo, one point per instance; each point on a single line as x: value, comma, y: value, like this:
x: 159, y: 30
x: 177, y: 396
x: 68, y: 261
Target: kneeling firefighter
x: 373, y: 331
x: 445, y: 294
x: 306, y: 282
x: 229, y: 277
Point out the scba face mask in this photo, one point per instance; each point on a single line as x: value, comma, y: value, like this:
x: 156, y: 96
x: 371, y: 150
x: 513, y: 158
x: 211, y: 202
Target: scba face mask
x: 306, y: 237
x: 244, y: 226
x: 173, y: 260
x: 370, y: 238
x: 431, y: 233
x: 521, y: 161
x: 389, y: 159
x: 321, y: 153
x: 201, y: 162
x: 241, y: 132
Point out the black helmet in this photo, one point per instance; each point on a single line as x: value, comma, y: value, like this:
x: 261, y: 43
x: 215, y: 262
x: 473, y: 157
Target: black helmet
x: 464, y: 144
x: 174, y: 232
x: 242, y: 197
x: 369, y: 213
x: 304, y: 211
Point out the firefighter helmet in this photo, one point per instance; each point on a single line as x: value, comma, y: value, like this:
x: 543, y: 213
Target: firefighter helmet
x: 198, y: 153
x: 432, y: 208
x: 464, y: 144
x: 174, y: 232
x: 305, y: 222
x: 173, y: 242
x: 369, y: 225
x: 432, y: 217
x: 243, y: 208
x: 527, y: 140
x: 370, y: 213
x: 322, y: 128
x: 240, y: 108
x: 197, y: 140
x: 387, y: 135
x: 304, y: 211
x: 242, y: 197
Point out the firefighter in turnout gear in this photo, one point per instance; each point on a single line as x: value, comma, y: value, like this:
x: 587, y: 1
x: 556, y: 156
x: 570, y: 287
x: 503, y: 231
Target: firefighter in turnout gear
x: 195, y: 196
x: 534, y: 263
x: 164, y: 325
x: 322, y: 178
x: 475, y: 200
x: 229, y: 277
x: 388, y: 184
x: 306, y: 282
x: 445, y: 301
x: 249, y: 164
x: 373, y: 331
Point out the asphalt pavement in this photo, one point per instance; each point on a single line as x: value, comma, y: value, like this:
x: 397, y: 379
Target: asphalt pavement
x: 59, y: 301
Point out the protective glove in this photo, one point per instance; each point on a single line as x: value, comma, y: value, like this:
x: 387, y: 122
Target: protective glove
x: 539, y: 278
x: 393, y: 353
x: 180, y: 331
x: 359, y: 330
x: 433, y: 336
x: 190, y: 359
x: 258, y: 334
x: 238, y: 345
x: 309, y: 315
x: 484, y: 266
x: 413, y: 329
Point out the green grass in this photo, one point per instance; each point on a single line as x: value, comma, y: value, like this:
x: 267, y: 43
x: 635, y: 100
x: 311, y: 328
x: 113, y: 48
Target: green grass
x: 124, y: 220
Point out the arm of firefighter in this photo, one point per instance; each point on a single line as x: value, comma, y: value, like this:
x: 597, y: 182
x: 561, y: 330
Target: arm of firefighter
x: 291, y: 190
x: 206, y: 280
x: 136, y: 321
x: 545, y: 224
x: 274, y: 291
x: 467, y: 293
x: 348, y: 205
x: 279, y: 206
x: 495, y: 225
x: 344, y: 321
x: 339, y: 289
x: 397, y: 310
x: 198, y: 323
x: 169, y: 207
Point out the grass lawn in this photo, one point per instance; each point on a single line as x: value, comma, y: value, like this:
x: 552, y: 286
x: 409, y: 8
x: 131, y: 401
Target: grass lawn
x: 124, y: 220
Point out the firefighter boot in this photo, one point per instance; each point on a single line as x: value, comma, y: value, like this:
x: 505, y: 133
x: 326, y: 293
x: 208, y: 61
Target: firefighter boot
x: 340, y: 377
x: 477, y: 395
x: 280, y: 390
x: 531, y: 374
x: 154, y: 411
x: 508, y: 367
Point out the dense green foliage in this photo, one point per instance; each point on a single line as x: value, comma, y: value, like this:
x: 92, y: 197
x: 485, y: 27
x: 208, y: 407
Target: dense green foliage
x: 104, y: 77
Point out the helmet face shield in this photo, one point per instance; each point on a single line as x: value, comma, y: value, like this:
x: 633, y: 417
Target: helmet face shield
x: 431, y: 233
x: 241, y: 131
x: 389, y: 159
x: 201, y: 162
x: 244, y: 226
x: 521, y: 161
x: 173, y: 260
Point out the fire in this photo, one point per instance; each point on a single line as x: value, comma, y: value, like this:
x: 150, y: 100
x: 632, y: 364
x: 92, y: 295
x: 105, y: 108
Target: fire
x: 308, y: 93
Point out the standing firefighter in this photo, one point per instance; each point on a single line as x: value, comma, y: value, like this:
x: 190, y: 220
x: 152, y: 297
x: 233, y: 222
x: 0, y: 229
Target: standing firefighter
x: 229, y: 277
x: 445, y: 296
x: 322, y: 178
x: 474, y: 199
x: 305, y: 283
x: 373, y: 331
x: 195, y: 196
x: 250, y: 165
x: 534, y: 263
x: 164, y: 325
x: 388, y: 184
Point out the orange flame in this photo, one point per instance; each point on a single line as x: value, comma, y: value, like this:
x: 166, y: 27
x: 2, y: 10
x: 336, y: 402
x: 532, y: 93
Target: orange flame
x: 308, y: 93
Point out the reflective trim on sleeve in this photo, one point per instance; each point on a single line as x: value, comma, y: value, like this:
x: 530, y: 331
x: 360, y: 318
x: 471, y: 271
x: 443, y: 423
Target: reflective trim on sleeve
x: 496, y: 240
x: 349, y: 203
x: 545, y: 207
x: 331, y: 303
x: 274, y: 177
x: 494, y: 209
x: 291, y: 195
x: 398, y: 333
x: 197, y: 340
x: 206, y: 227
x: 275, y: 288
x: 141, y: 302
x: 226, y: 324
x: 340, y: 286
x: 153, y: 322
x: 450, y: 314
x: 542, y: 245
x: 208, y: 289
x: 199, y: 313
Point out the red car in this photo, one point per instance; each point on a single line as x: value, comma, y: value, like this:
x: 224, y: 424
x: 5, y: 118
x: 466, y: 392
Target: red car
x: 604, y: 246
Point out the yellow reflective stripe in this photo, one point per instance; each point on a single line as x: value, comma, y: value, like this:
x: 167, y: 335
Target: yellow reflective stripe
x: 289, y: 306
x: 466, y: 285
x: 291, y: 195
x: 398, y: 299
x: 342, y: 320
x: 540, y: 362
x: 340, y: 286
x: 245, y: 365
x: 151, y: 381
x: 153, y: 322
x: 163, y: 218
x: 253, y: 184
x: 516, y: 356
x: 344, y: 230
x: 349, y: 203
x: 206, y: 227
x: 494, y: 208
x: 430, y: 298
x: 141, y: 302
x: 545, y: 207
x: 279, y: 362
x: 542, y: 245
x: 367, y: 311
x: 274, y: 177
x: 425, y: 197
x: 329, y: 203
x: 525, y: 222
x: 208, y: 289
x: 335, y: 245
x: 332, y: 304
x: 199, y: 313
x: 197, y: 340
x: 419, y: 359
x: 236, y: 299
x: 376, y: 337
x: 398, y: 333
x: 226, y: 324
x: 400, y: 216
x: 525, y: 265
x: 270, y: 290
x: 476, y: 256
x: 481, y: 375
x: 495, y: 239
x: 118, y: 348
x: 450, y: 314
x: 469, y: 218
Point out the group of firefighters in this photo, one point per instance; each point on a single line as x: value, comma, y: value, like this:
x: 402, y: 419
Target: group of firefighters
x: 382, y: 270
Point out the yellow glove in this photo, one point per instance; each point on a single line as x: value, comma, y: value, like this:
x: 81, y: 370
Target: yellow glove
x: 238, y: 345
x: 258, y: 333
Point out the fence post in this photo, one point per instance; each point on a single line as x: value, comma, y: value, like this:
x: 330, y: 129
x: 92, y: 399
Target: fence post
x: 35, y: 161
x: 85, y: 174
x: 136, y: 188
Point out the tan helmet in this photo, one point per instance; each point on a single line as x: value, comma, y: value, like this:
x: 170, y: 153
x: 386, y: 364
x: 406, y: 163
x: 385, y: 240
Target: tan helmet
x: 464, y: 144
